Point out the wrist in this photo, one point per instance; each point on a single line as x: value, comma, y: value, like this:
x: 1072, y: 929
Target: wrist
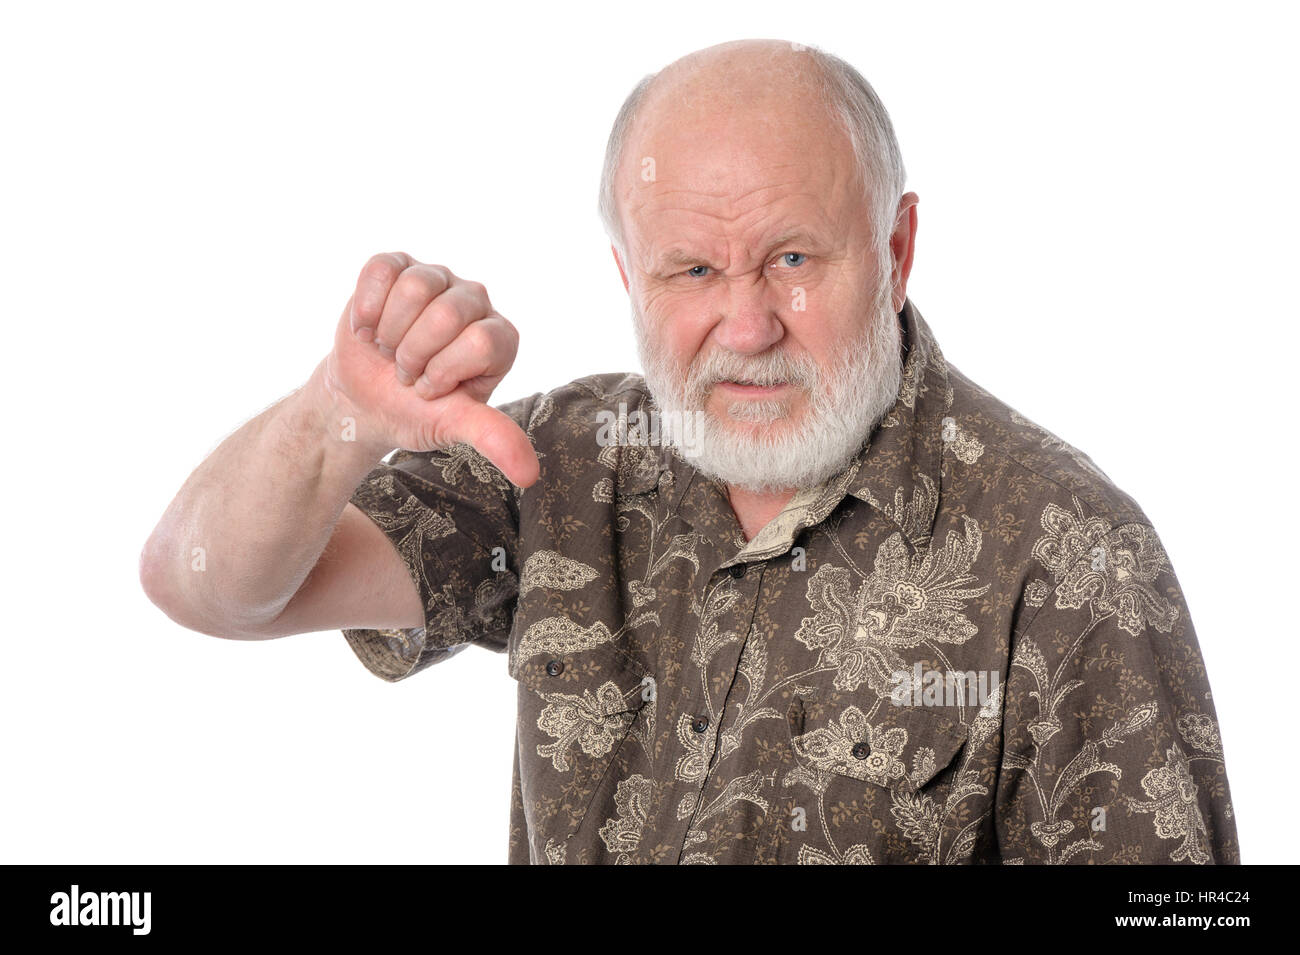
x: 335, y: 425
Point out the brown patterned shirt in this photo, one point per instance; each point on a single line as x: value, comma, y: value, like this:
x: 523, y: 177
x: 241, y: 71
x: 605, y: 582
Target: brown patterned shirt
x: 969, y: 646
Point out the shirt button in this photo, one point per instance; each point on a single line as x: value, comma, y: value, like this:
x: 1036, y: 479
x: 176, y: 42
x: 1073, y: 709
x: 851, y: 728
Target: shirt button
x: 700, y: 724
x: 554, y: 667
x: 861, y: 750
x: 737, y: 571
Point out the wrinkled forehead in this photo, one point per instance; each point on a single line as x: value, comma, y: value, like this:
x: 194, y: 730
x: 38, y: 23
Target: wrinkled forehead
x: 724, y: 166
x: 738, y: 192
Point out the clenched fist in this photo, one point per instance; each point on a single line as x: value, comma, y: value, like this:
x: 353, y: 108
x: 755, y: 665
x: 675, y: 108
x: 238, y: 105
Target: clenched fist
x: 417, y: 353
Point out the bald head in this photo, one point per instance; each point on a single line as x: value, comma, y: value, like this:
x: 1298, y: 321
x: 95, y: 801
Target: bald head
x: 726, y: 97
x: 708, y: 83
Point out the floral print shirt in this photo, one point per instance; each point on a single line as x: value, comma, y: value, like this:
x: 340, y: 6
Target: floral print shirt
x: 969, y: 646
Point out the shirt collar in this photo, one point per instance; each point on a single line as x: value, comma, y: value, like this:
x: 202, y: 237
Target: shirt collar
x: 897, y: 471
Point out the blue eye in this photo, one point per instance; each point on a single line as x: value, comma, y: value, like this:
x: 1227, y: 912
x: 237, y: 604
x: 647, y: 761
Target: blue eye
x: 697, y: 271
x: 794, y: 259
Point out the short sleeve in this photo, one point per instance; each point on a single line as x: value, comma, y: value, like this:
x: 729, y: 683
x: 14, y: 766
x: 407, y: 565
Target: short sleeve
x: 1111, y: 752
x: 454, y: 519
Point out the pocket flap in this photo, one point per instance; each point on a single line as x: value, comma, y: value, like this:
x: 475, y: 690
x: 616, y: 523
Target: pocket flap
x: 900, y: 747
x: 606, y: 678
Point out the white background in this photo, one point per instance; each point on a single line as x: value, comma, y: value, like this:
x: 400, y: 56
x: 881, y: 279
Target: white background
x: 188, y: 194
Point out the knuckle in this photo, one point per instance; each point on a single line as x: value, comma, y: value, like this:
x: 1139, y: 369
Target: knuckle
x: 413, y: 287
x: 380, y: 268
x: 373, y: 283
x: 435, y: 380
x: 407, y: 359
x: 479, y: 339
x: 508, y: 328
x: 505, y: 337
x: 442, y: 311
x: 376, y: 277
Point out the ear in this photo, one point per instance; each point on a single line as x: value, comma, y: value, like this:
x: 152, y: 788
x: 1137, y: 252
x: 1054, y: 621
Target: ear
x: 619, y: 262
x: 902, y: 243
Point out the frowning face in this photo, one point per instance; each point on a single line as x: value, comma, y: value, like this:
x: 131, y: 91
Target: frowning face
x: 757, y: 293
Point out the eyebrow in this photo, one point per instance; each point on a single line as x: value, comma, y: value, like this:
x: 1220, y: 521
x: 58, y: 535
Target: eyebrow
x: 676, y: 257
x: 791, y: 235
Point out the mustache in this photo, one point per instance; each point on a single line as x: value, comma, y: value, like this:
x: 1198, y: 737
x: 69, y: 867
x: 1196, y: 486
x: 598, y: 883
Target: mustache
x: 773, y: 368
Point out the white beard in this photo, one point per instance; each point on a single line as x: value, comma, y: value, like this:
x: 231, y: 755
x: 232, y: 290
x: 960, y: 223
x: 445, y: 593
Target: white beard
x: 847, y: 402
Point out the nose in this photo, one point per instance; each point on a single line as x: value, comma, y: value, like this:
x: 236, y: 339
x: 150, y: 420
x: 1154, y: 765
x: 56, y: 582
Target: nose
x: 748, y: 324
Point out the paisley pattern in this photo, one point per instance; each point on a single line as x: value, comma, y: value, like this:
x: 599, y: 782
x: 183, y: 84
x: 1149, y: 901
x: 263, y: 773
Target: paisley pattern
x: 689, y: 696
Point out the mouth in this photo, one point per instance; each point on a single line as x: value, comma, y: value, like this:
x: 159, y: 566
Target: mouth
x: 749, y: 389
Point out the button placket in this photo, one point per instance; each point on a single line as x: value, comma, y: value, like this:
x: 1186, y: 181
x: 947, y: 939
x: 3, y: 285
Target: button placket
x: 723, y: 670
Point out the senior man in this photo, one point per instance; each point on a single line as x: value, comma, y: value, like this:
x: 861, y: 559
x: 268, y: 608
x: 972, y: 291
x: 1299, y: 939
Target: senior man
x: 802, y: 593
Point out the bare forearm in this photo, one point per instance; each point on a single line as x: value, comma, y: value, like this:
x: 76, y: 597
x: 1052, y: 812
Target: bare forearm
x: 249, y: 524
x: 261, y: 541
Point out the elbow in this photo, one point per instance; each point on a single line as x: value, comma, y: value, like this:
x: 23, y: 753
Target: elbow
x: 170, y: 578
x: 158, y: 577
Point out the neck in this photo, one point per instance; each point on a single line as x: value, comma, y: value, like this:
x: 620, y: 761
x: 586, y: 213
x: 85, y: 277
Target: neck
x: 755, y: 510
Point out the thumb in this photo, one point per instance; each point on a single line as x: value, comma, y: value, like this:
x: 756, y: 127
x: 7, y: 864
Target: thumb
x: 494, y: 434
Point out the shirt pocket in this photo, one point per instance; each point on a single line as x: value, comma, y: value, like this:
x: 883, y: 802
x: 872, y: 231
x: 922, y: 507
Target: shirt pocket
x: 584, y: 717
x: 871, y: 778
